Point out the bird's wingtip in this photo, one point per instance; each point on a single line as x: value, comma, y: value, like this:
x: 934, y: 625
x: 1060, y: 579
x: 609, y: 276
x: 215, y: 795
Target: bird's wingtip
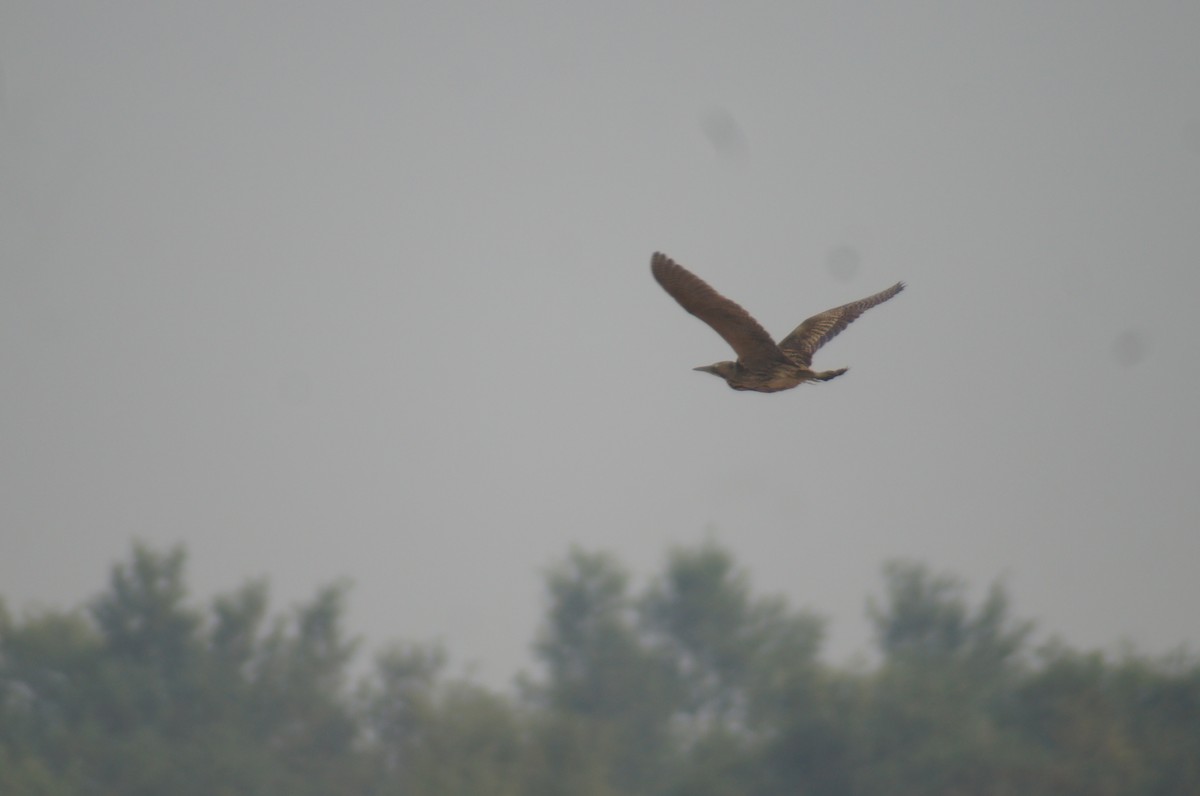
x: 660, y: 263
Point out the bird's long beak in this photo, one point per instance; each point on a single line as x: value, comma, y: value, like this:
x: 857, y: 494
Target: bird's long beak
x: 705, y: 369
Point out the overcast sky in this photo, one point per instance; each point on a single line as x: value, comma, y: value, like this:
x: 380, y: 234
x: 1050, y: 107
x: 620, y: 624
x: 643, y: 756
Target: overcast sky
x: 362, y: 290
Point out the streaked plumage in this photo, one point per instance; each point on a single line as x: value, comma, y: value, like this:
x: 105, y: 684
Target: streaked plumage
x: 761, y: 365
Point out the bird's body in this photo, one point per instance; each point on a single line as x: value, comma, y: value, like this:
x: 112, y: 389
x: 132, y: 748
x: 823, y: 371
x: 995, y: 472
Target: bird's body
x: 762, y: 365
x: 779, y: 376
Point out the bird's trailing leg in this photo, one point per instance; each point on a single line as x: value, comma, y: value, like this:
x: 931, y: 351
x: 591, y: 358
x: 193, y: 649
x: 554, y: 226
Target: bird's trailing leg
x: 826, y: 375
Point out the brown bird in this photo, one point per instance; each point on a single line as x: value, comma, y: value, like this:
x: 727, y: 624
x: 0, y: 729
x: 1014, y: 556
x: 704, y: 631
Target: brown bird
x: 761, y: 365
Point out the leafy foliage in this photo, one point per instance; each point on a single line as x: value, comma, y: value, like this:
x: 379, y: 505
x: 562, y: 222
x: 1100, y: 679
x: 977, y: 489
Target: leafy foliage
x: 694, y: 685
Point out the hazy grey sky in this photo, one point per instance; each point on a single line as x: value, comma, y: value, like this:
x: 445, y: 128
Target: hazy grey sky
x: 362, y: 290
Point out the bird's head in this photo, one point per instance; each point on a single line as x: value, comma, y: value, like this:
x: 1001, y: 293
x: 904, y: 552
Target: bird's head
x: 723, y: 369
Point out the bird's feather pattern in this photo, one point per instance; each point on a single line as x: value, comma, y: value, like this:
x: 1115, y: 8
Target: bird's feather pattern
x: 818, y: 330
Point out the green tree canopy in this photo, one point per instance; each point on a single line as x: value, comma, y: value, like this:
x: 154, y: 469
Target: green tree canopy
x: 693, y: 684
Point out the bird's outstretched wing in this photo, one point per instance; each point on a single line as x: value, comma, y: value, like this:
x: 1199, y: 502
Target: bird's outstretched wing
x: 818, y: 330
x: 738, y: 327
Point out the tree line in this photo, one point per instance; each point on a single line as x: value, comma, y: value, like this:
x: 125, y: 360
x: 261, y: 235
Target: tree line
x: 693, y: 684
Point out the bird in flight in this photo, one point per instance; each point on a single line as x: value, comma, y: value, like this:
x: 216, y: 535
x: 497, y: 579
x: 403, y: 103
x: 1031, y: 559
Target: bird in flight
x: 762, y: 365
